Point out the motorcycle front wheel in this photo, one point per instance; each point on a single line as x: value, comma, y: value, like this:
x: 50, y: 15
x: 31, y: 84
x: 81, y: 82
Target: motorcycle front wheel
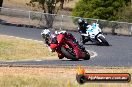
x: 68, y: 54
x: 87, y: 56
x: 104, y: 42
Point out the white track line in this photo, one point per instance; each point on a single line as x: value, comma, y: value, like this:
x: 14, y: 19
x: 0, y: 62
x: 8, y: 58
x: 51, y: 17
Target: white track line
x: 94, y: 53
x: 23, y: 38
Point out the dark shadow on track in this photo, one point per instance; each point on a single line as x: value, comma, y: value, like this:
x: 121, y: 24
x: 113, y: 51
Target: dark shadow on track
x: 94, y: 44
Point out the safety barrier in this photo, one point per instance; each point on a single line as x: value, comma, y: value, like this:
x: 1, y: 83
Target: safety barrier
x: 62, y: 22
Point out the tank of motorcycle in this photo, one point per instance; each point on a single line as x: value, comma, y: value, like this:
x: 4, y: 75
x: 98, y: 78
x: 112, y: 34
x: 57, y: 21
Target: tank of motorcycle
x: 60, y: 38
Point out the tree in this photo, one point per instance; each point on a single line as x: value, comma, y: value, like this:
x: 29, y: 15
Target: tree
x: 62, y: 3
x: 125, y: 14
x: 99, y: 9
x: 48, y: 6
x: 1, y: 2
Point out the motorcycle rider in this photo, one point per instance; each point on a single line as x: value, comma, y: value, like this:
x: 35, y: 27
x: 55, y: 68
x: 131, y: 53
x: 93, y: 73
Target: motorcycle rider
x: 82, y: 27
x: 50, y: 38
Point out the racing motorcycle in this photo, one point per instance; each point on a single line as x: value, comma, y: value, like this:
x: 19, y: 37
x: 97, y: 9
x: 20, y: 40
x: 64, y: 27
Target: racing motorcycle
x: 95, y: 35
x: 68, y: 48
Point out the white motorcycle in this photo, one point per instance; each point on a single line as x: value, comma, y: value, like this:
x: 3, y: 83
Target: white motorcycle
x: 94, y: 34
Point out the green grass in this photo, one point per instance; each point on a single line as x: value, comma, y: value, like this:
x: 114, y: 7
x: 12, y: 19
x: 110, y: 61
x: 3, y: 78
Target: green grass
x: 20, y: 49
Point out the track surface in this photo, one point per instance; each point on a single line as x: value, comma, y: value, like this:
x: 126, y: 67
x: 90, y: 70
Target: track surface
x: 119, y: 54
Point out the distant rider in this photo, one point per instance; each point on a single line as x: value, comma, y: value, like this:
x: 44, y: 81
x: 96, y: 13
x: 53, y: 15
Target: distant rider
x: 82, y: 25
x: 82, y: 28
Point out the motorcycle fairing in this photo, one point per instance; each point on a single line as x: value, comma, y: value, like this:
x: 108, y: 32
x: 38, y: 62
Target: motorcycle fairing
x: 60, y: 38
x: 78, y: 52
x: 53, y: 46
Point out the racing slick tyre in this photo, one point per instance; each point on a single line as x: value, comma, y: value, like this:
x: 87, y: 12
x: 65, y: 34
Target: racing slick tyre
x: 81, y: 79
x: 68, y: 54
x: 104, y: 42
x: 87, y: 56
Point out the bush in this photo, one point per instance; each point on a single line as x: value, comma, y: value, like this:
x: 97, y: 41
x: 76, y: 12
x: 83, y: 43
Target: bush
x: 99, y: 9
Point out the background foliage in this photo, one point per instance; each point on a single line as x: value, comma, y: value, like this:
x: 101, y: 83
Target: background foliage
x: 103, y: 9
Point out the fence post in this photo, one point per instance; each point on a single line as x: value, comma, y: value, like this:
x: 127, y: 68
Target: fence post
x: 131, y: 29
x: 0, y: 9
x: 62, y: 16
x: 29, y: 17
x: 114, y: 28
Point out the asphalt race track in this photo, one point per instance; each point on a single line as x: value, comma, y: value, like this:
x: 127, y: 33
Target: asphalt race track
x: 118, y: 54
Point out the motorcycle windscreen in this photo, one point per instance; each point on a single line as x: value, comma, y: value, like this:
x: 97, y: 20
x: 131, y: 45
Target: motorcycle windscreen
x: 60, y: 38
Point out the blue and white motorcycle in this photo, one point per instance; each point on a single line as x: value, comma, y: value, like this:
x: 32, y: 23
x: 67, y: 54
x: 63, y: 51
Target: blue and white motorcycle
x: 94, y: 34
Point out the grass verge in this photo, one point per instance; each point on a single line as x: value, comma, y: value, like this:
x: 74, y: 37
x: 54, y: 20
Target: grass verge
x: 53, y: 77
x: 19, y: 49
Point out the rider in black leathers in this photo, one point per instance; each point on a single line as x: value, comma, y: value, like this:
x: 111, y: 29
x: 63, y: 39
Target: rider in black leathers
x: 82, y: 27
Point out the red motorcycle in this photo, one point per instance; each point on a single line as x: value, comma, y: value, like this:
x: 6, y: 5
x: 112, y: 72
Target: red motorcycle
x: 66, y: 46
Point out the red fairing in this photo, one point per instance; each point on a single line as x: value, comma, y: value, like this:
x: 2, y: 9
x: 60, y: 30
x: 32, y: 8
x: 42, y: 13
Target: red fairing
x: 60, y: 38
x: 53, y: 46
x: 77, y: 51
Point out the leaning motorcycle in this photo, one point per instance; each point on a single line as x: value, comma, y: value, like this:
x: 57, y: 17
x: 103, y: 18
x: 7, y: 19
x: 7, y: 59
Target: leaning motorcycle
x: 66, y: 47
x: 94, y: 34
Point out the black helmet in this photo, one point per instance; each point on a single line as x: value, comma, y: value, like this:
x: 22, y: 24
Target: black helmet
x: 81, y: 21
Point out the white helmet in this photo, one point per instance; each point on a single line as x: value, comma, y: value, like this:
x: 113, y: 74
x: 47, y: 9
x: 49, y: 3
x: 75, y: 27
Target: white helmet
x: 45, y: 33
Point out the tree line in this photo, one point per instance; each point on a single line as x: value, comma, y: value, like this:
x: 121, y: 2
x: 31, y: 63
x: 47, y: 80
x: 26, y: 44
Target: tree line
x: 115, y: 10
x: 119, y: 10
